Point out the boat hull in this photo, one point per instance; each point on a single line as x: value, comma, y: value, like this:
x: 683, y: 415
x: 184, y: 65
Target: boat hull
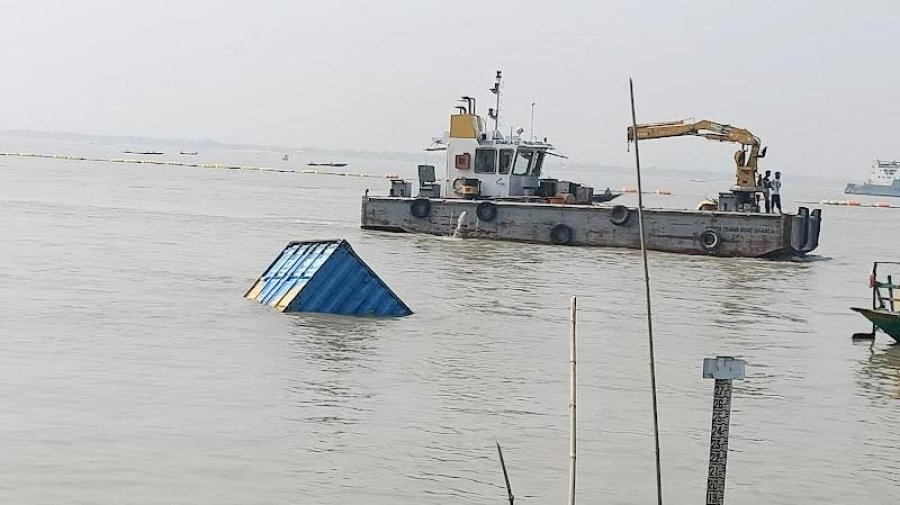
x: 678, y: 231
x: 884, y: 320
x: 872, y: 190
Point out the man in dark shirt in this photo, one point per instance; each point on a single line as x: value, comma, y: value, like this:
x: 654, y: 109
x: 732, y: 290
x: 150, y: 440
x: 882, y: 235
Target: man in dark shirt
x: 767, y: 184
x: 758, y: 194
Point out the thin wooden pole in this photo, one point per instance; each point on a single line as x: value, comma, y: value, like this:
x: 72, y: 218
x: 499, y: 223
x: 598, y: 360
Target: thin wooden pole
x: 572, y: 320
x: 509, y: 493
x: 637, y: 163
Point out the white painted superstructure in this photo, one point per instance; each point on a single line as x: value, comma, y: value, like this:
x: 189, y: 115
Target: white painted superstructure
x: 484, y: 163
x: 884, y: 172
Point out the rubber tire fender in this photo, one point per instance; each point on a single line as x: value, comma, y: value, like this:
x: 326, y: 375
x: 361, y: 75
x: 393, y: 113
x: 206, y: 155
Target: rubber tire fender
x: 710, y: 240
x: 561, y: 235
x: 620, y: 215
x: 420, y: 208
x: 486, y: 211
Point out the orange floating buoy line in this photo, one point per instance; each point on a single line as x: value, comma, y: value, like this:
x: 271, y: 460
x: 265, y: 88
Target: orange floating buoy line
x: 857, y: 203
x: 195, y: 165
x: 656, y: 192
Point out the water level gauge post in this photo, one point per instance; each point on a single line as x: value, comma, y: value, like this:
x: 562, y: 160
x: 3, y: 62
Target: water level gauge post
x: 723, y: 369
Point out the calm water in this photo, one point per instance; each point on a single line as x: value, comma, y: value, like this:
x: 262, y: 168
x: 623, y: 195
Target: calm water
x: 135, y: 372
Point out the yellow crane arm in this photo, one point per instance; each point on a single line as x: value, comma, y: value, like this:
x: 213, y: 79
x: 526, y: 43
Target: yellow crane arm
x: 703, y: 128
x: 746, y: 161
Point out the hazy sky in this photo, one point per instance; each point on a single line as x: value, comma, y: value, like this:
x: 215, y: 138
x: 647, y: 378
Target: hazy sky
x: 818, y: 81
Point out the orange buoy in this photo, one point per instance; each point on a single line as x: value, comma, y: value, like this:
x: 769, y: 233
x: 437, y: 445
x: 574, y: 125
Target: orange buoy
x: 883, y: 205
x: 854, y: 203
x: 629, y: 190
x: 663, y: 192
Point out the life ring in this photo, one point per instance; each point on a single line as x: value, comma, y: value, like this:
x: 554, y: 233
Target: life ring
x: 710, y: 240
x: 486, y: 211
x: 561, y: 235
x: 620, y: 215
x: 420, y: 207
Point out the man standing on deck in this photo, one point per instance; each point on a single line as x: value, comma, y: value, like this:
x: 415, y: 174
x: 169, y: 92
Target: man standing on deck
x: 767, y: 185
x: 758, y: 195
x: 776, y: 192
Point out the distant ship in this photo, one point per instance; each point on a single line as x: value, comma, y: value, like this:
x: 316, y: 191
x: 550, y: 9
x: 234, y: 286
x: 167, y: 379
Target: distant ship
x: 189, y: 153
x: 312, y: 164
x: 883, y: 182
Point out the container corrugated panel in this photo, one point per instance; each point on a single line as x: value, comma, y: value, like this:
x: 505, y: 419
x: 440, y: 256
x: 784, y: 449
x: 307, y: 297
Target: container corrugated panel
x: 328, y: 277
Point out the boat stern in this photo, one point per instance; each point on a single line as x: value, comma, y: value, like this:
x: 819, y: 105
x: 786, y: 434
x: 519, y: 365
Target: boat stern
x: 883, y: 319
x: 803, y: 231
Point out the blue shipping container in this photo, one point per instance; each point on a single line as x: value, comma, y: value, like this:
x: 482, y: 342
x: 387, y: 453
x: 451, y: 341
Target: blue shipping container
x: 325, y: 276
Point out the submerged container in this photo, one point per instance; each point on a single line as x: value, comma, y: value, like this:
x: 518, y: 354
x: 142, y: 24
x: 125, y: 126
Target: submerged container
x: 327, y: 277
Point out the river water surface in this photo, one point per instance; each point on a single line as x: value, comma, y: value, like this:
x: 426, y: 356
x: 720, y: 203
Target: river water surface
x: 135, y: 372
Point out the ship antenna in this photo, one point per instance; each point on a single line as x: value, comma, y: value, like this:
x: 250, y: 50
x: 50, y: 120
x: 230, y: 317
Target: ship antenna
x: 532, y: 121
x: 496, y: 90
x: 637, y: 164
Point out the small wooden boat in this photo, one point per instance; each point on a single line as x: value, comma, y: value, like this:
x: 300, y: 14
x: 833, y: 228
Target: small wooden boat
x: 883, y: 315
x: 142, y: 152
x: 313, y: 164
x: 605, y: 196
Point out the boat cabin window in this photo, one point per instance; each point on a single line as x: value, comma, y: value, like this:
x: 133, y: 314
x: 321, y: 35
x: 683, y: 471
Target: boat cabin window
x: 528, y: 162
x: 537, y: 164
x: 523, y: 161
x: 506, y: 156
x: 485, y: 161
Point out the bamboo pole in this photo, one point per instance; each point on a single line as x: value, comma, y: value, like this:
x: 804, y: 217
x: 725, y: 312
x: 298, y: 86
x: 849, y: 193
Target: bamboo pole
x: 509, y: 493
x: 637, y: 162
x: 572, y: 310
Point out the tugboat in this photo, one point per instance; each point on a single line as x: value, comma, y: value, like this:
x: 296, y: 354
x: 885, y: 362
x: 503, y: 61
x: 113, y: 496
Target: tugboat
x: 492, y: 187
x: 882, y: 183
x: 885, y: 302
